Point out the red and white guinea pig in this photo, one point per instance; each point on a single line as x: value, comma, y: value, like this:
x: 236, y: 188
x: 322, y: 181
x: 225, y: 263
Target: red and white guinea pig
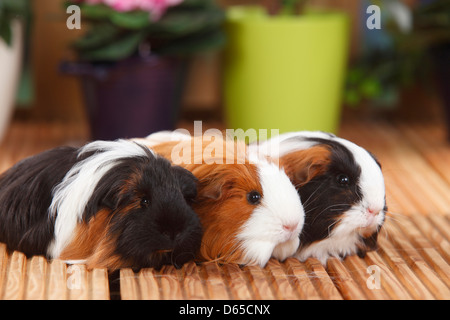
x: 342, y: 189
x: 249, y: 209
x: 109, y: 204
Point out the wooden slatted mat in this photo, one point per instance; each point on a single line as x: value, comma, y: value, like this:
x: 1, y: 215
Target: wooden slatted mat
x: 38, y: 279
x: 412, y: 262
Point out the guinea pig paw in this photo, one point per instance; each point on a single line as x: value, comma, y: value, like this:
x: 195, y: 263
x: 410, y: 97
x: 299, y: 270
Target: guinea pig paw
x: 286, y: 249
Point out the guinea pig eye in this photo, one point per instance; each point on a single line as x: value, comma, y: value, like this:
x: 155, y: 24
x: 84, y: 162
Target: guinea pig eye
x: 145, y: 202
x: 343, y: 180
x: 254, y: 197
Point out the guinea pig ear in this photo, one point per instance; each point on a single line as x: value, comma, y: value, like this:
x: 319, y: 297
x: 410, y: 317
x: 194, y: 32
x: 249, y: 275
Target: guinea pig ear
x: 211, y: 188
x: 303, y: 165
x: 188, y: 182
x: 211, y: 182
x: 103, y: 197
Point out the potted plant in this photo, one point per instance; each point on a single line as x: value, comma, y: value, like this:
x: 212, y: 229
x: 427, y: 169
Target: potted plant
x: 285, y: 69
x: 14, y: 15
x: 133, y: 59
x: 412, y: 49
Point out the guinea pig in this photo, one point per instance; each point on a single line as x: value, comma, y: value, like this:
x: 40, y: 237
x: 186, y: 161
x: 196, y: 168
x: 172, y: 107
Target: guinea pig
x: 109, y: 204
x: 249, y: 209
x: 342, y: 189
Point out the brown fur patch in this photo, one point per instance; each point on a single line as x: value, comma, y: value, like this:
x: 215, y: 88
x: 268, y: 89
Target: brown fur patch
x: 222, y: 193
x: 86, y: 236
x: 223, y: 208
x: 93, y: 243
x: 303, y: 165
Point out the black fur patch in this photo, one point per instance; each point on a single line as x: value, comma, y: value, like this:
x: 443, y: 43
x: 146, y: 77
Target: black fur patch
x: 324, y: 199
x: 26, y: 194
x: 164, y: 222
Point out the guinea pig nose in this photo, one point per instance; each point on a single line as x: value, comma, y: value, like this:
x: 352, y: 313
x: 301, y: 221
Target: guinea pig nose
x: 373, y: 211
x: 290, y: 227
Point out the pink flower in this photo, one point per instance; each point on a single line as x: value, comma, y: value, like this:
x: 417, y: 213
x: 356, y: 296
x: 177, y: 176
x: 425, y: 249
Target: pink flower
x: 122, y: 5
x: 156, y: 8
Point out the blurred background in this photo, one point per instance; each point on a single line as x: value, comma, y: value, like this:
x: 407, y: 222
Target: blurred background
x: 118, y: 70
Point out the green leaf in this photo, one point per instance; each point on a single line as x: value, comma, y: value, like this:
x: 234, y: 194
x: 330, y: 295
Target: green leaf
x: 96, y: 12
x: 352, y: 97
x: 195, y: 4
x: 117, y: 50
x: 193, y: 44
x: 16, y: 7
x: 370, y: 87
x: 131, y: 20
x: 183, y: 23
x: 100, y: 34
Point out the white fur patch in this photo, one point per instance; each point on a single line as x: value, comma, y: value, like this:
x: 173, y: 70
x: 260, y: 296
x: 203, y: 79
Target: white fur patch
x: 71, y: 196
x: 263, y: 236
x: 166, y: 136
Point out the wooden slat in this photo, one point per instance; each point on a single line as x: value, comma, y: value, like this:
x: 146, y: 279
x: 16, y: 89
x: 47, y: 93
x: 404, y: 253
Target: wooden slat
x: 301, y: 280
x: 15, y: 279
x: 433, y: 235
x: 322, y: 280
x: 99, y: 285
x: 259, y: 283
x: 418, y: 244
x: 192, y: 282
x: 412, y: 257
x: 3, y: 268
x: 344, y: 281
x: 147, y: 284
x: 129, y: 285
x: 170, y: 285
x: 390, y: 283
x: 57, y: 281
x: 36, y: 279
x: 215, y: 282
x: 402, y: 270
x: 280, y: 281
x: 238, y: 284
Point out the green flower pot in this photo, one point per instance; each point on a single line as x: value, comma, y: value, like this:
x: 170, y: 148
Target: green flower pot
x: 285, y: 72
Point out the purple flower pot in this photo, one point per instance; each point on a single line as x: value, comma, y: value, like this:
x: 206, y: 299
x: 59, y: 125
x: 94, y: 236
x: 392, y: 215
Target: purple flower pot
x: 131, y: 98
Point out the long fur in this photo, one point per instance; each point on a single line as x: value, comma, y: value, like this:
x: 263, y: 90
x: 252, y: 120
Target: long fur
x: 337, y: 221
x: 110, y: 204
x: 236, y: 231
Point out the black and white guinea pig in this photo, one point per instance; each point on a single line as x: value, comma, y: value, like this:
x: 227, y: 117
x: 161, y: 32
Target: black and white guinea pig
x: 109, y: 204
x: 342, y: 189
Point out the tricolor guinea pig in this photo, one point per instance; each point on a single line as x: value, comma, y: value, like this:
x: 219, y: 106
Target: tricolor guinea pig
x: 249, y: 209
x: 342, y: 189
x: 109, y: 204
